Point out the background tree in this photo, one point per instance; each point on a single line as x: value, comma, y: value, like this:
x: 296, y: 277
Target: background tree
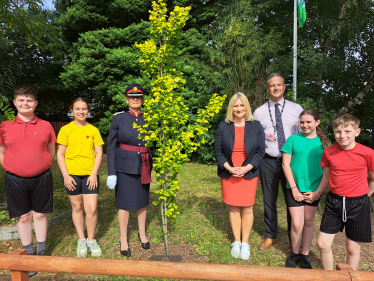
x: 30, y: 52
x: 100, y: 36
x: 335, y: 44
x: 7, y: 84
x: 242, y: 51
x: 103, y: 63
x: 26, y: 17
x: 225, y: 46
x: 28, y: 43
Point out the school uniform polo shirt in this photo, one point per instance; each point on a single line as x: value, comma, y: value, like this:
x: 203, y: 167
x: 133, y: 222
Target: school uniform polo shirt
x: 26, y: 146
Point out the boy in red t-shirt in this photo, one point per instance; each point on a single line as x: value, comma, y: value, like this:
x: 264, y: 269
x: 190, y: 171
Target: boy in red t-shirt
x: 346, y: 165
x: 27, y: 149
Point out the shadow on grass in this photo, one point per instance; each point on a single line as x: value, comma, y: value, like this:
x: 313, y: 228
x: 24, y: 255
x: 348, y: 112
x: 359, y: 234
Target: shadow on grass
x: 107, y: 219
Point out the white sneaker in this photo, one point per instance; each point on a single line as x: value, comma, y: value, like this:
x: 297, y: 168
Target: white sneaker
x: 235, y: 251
x: 94, y: 248
x: 82, y: 248
x: 245, y: 251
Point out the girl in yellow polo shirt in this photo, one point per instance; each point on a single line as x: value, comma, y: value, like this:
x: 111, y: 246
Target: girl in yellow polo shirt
x: 79, y: 157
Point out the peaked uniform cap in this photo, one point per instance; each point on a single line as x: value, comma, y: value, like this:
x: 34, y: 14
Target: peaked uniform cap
x: 134, y: 90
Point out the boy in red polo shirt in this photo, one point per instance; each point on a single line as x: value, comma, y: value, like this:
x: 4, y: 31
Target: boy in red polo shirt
x: 27, y: 148
x: 346, y: 165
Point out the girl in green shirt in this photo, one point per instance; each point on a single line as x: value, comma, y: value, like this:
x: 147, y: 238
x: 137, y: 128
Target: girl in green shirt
x: 305, y: 182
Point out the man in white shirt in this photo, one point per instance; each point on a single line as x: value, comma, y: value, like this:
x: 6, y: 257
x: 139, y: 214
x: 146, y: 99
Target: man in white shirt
x: 280, y: 120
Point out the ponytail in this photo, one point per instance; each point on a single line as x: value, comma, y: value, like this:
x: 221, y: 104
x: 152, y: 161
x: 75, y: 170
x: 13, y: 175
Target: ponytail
x: 324, y: 139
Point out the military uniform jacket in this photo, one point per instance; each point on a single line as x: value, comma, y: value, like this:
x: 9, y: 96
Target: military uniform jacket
x: 122, y: 131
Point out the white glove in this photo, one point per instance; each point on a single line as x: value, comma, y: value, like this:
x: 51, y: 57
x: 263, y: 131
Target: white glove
x: 111, y: 181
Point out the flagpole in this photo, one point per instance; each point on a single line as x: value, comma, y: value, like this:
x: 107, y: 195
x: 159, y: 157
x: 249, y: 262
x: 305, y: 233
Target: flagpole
x: 295, y: 49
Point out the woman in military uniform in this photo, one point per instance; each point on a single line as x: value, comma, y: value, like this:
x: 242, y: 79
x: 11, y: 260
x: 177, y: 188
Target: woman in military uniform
x: 129, y: 166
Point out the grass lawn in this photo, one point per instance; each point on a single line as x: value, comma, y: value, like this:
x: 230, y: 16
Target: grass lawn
x: 201, y: 233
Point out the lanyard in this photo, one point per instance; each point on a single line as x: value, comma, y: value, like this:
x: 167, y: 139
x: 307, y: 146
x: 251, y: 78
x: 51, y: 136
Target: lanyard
x: 271, y: 117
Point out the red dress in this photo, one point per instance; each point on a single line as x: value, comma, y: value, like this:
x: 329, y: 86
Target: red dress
x: 239, y: 192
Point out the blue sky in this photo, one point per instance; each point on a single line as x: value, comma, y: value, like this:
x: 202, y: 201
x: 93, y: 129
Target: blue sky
x: 48, y: 4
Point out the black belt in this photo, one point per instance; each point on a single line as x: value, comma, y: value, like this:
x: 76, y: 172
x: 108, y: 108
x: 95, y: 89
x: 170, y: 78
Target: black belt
x: 274, y: 158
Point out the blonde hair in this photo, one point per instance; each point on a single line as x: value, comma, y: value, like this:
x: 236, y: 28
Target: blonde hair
x: 248, y: 112
x: 346, y: 120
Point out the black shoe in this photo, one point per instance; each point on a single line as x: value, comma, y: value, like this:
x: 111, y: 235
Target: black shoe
x: 305, y: 261
x: 145, y: 246
x: 43, y: 253
x: 293, y: 260
x: 32, y: 273
x: 126, y: 253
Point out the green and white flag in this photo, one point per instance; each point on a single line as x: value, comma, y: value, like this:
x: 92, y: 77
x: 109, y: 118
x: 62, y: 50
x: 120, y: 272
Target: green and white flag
x: 302, y: 12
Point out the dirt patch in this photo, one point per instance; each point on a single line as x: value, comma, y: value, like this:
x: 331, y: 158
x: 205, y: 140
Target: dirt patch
x: 185, y: 250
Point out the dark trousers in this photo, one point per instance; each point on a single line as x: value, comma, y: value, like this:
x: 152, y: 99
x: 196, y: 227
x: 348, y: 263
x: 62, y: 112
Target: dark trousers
x: 271, y: 172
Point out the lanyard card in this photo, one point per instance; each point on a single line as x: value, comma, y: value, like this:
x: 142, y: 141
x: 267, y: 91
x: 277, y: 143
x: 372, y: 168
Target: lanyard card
x: 272, y: 138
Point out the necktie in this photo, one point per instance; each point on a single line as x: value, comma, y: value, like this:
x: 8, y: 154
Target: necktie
x: 278, y: 120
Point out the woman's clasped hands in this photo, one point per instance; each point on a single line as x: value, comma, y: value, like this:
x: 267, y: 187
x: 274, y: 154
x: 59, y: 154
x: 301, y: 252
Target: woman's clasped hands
x: 239, y: 172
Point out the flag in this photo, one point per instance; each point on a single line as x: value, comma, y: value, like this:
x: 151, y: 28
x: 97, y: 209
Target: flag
x: 302, y: 12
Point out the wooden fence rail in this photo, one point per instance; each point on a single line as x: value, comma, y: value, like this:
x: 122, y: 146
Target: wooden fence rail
x: 57, y: 126
x: 19, y: 263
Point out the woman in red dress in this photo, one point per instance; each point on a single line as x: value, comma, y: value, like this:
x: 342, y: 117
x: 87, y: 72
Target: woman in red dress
x: 239, y: 149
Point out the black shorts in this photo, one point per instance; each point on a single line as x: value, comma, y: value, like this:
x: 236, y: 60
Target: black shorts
x: 357, y: 224
x: 29, y: 194
x: 291, y: 202
x: 82, y: 187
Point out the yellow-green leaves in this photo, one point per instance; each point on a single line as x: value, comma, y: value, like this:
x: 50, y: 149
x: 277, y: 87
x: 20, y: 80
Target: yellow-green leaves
x: 159, y: 52
x: 165, y: 111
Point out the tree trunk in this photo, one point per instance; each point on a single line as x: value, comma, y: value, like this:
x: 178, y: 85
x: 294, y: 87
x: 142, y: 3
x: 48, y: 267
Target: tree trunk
x: 164, y: 225
x: 163, y: 206
x: 356, y: 100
